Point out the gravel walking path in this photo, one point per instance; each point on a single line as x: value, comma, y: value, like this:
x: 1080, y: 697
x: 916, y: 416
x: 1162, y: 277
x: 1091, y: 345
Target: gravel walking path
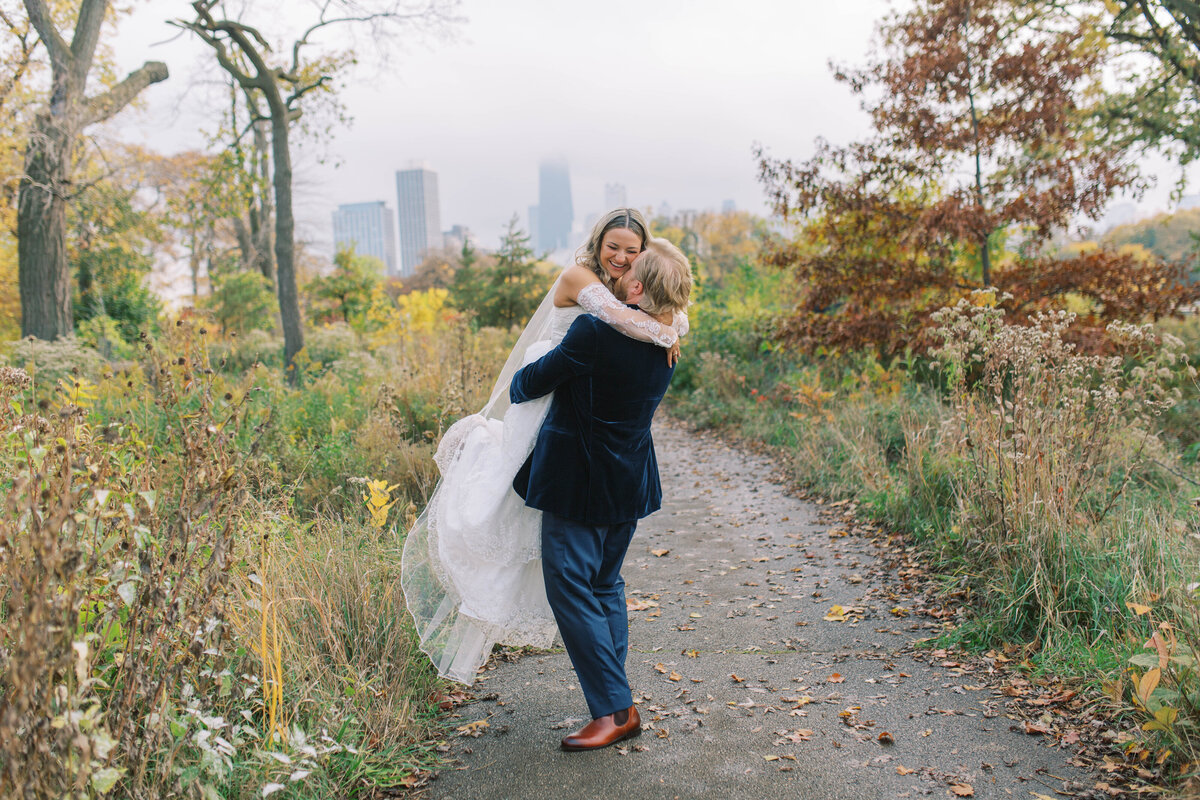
x: 770, y: 658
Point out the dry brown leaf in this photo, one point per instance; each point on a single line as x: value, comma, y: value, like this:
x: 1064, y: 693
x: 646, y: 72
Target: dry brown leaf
x: 836, y: 614
x: 473, y: 729
x: 659, y: 553
x: 904, y: 771
x: 962, y: 789
x: 835, y: 678
x: 886, y: 738
x: 674, y: 676
x: 736, y: 678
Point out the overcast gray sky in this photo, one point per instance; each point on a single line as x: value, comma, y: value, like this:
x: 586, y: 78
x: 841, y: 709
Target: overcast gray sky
x: 664, y: 96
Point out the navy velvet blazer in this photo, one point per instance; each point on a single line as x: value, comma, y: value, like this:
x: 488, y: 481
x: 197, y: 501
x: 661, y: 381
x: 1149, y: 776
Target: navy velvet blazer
x: 594, y: 459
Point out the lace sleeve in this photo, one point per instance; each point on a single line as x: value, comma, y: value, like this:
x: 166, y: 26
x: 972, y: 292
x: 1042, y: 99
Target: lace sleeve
x: 680, y: 323
x: 600, y: 303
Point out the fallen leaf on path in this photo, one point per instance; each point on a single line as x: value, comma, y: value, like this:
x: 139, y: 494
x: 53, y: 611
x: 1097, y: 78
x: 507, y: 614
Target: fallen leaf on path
x: 1035, y: 728
x: 904, y: 771
x: 795, y: 737
x: 962, y: 789
x: 660, y: 668
x: 835, y: 678
x: 474, y: 729
x: 886, y: 738
x: 569, y: 722
x: 659, y: 553
x: 674, y: 676
x: 836, y: 614
x: 640, y: 605
x: 771, y: 758
x: 837, y: 533
x: 735, y: 678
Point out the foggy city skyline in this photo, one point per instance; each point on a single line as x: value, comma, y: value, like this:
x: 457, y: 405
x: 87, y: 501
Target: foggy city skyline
x: 665, y: 98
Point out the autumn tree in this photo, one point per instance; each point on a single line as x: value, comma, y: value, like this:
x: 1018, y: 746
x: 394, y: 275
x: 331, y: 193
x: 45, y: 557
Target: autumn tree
x: 46, y: 181
x: 111, y: 245
x: 277, y: 87
x: 717, y: 244
x: 978, y: 143
x: 506, y: 291
x: 200, y: 197
x: 345, y: 294
x: 1155, y: 59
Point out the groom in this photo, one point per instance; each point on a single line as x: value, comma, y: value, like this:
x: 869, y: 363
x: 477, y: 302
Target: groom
x: 593, y: 474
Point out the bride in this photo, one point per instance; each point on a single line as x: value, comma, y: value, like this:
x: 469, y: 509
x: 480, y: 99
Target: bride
x: 471, y: 569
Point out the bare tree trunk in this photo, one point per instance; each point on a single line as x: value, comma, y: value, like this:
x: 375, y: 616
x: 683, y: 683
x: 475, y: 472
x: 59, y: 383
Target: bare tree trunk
x: 285, y: 231
x: 44, y: 275
x: 264, y: 231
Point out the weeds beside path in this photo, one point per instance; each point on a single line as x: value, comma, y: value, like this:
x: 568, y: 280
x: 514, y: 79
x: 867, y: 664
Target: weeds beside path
x: 771, y: 657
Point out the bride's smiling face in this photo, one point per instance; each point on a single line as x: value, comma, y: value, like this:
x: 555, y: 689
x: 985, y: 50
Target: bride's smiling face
x: 618, y: 249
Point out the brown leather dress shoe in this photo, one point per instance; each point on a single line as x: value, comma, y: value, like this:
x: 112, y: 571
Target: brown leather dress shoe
x: 604, y: 731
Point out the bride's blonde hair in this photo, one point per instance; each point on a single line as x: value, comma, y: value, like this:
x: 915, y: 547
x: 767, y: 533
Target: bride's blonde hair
x: 589, y: 255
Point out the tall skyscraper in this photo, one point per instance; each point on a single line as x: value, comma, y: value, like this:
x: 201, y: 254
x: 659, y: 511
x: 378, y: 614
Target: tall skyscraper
x: 368, y: 228
x: 420, y: 215
x: 555, y: 212
x: 614, y: 197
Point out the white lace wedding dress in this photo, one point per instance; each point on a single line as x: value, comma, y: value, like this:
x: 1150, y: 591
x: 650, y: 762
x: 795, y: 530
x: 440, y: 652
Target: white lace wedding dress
x: 471, y: 569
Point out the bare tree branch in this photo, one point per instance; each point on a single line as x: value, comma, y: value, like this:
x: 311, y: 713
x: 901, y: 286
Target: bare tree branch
x: 56, y: 46
x: 103, y: 106
x: 86, y: 37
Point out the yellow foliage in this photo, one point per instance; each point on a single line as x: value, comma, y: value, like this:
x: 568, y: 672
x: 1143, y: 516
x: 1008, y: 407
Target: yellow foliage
x: 423, y: 309
x: 378, y: 498
x: 416, y: 312
x: 10, y: 298
x: 77, y: 391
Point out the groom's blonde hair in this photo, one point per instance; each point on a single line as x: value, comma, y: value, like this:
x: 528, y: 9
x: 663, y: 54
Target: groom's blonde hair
x: 665, y: 275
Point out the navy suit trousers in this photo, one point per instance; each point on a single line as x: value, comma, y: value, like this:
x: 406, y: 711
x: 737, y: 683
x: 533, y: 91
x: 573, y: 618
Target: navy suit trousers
x: 582, y: 567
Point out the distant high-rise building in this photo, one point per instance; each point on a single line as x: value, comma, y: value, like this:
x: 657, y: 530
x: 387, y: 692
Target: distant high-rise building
x: 555, y: 212
x: 615, y: 197
x: 728, y: 207
x: 368, y: 228
x: 456, y: 237
x: 420, y: 216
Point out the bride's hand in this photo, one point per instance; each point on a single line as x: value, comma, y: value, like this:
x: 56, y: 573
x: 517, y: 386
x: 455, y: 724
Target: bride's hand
x: 673, y: 354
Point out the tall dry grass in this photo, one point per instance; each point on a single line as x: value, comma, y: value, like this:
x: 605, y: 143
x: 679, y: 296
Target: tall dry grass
x: 1052, y: 442
x: 199, y: 600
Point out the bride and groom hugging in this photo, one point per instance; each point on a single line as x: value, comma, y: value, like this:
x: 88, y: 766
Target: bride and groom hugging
x: 541, y: 491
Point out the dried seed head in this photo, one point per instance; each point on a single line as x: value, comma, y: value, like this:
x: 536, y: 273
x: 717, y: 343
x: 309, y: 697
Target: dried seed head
x: 14, y: 378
